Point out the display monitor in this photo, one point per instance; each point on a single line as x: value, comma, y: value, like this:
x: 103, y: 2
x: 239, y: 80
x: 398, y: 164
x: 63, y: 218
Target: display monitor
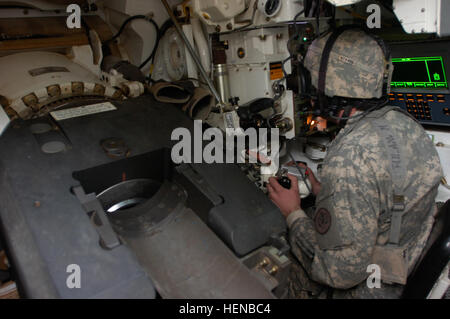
x: 419, y: 72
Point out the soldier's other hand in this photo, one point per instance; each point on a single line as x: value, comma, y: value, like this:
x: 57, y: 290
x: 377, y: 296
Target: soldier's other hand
x: 315, y: 184
x: 287, y: 200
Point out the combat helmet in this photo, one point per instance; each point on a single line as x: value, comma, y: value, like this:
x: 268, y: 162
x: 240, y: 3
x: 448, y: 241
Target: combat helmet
x: 349, y: 63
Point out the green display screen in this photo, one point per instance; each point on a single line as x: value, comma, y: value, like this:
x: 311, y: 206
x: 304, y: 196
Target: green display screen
x: 420, y: 72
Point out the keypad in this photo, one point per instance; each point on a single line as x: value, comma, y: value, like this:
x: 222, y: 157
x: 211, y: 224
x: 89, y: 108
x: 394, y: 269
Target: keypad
x: 418, y: 105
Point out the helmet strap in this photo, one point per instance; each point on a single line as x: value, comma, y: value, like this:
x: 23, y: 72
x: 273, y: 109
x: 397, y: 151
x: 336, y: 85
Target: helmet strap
x: 323, y: 101
x: 322, y: 98
x: 345, y: 115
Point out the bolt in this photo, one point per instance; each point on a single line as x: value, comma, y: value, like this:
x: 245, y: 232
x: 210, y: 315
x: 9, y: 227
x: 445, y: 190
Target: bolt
x: 229, y: 26
x: 99, y: 89
x: 218, y: 28
x: 118, y: 94
x: 77, y: 87
x: 54, y: 90
x: 37, y: 204
x: 30, y: 100
x: 422, y: 10
x: 273, y: 270
x: 264, y: 262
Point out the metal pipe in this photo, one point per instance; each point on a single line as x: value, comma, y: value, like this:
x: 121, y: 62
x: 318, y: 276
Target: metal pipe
x: 193, y: 54
x: 221, y: 81
x: 202, y: 45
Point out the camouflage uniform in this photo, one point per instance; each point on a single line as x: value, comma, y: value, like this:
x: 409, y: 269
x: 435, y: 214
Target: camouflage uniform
x: 352, y: 213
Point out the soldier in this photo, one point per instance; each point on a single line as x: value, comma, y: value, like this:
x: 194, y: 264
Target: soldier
x: 375, y: 199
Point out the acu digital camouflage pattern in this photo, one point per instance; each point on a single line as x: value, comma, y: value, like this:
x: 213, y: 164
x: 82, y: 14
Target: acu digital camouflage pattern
x: 357, y: 191
x: 356, y: 67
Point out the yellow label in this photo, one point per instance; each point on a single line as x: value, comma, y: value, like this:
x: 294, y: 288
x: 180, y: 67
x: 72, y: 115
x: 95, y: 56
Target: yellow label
x: 276, y: 72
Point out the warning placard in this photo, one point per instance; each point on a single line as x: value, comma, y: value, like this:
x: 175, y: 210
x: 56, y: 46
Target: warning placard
x: 276, y: 71
x: 82, y: 111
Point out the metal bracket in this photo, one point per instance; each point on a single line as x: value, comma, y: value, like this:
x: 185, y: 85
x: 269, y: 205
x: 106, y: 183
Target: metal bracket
x: 95, y: 211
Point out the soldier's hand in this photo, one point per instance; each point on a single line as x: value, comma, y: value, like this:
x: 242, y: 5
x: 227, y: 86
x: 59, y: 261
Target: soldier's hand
x: 287, y: 200
x: 315, y: 184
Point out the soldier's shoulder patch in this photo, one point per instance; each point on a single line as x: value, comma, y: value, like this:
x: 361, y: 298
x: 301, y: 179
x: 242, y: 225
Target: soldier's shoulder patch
x: 322, y: 221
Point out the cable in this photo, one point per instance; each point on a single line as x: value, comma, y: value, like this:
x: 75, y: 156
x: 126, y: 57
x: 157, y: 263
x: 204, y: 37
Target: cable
x: 122, y: 27
x: 277, y: 82
x: 297, y: 29
x: 152, y: 55
x: 165, y: 26
x: 140, y: 17
x: 295, y: 20
x: 300, y: 171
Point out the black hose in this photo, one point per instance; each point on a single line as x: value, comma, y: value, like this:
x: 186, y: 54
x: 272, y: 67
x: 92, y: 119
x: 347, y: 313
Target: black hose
x: 166, y: 26
x: 124, y: 24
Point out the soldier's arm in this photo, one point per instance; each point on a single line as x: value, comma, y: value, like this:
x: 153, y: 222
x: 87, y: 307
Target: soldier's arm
x: 335, y: 247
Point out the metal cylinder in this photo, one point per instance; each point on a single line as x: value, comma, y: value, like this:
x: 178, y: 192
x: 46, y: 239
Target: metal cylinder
x: 221, y: 81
